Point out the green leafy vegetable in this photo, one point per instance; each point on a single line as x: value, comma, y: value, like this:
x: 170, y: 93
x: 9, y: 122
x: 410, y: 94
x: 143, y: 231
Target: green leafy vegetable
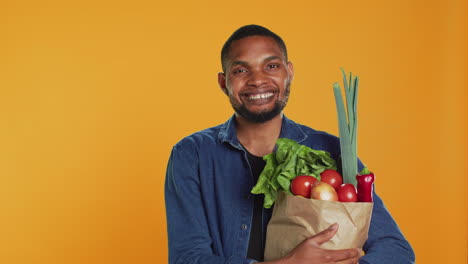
x: 290, y: 160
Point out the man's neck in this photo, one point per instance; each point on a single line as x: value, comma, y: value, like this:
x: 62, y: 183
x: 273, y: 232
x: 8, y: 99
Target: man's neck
x: 259, y: 138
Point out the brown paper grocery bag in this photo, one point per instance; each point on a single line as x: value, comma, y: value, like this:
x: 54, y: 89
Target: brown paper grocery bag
x: 296, y: 218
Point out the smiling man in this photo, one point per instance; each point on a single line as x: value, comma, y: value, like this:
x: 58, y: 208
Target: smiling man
x: 211, y: 215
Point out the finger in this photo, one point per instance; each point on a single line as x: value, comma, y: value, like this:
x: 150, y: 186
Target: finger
x: 325, y: 235
x: 344, y: 254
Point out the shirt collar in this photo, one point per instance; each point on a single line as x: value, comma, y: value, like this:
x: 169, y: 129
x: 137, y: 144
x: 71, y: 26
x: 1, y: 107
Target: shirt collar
x: 289, y: 129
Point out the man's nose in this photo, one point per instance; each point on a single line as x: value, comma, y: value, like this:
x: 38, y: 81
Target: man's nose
x: 257, y: 78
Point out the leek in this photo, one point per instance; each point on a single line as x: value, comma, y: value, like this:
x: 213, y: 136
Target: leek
x: 347, y: 124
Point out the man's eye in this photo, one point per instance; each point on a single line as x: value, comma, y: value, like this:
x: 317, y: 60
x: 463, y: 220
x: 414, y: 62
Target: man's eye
x: 272, y: 66
x: 239, y: 70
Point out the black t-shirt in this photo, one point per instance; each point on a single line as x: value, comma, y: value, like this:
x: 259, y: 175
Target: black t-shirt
x: 256, y: 241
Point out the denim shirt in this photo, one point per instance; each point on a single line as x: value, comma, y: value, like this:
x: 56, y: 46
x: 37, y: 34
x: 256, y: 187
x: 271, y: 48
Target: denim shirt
x: 209, y: 205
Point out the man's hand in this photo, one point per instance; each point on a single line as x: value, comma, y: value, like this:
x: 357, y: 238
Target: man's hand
x: 309, y: 251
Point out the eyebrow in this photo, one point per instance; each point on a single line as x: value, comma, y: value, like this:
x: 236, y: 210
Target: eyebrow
x: 243, y: 63
x: 273, y: 57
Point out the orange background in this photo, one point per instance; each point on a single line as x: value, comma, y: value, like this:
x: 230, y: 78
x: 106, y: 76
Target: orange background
x: 93, y: 95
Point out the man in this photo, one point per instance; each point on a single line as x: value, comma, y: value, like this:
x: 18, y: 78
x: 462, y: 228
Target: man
x: 211, y: 215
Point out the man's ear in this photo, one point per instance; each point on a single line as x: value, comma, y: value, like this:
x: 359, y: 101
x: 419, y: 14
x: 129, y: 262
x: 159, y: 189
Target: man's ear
x: 290, y: 70
x: 222, y: 82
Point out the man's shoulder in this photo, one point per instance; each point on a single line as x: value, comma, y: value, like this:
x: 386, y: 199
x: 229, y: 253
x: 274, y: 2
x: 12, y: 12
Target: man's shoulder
x: 205, y: 137
x: 318, y: 139
x: 314, y: 133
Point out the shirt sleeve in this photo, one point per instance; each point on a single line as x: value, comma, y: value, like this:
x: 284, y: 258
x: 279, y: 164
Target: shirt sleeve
x: 189, y: 238
x: 386, y: 243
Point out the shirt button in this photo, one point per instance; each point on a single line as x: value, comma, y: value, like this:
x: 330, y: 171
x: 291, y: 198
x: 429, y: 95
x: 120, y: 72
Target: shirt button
x: 244, y: 227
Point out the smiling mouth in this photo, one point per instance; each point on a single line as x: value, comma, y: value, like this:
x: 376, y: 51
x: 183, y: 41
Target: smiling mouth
x: 260, y: 96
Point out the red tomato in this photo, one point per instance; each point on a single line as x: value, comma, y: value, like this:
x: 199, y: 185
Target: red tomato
x: 332, y: 177
x: 347, y: 193
x: 301, y: 185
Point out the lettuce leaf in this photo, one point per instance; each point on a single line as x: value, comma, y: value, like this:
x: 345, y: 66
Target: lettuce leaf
x: 290, y: 160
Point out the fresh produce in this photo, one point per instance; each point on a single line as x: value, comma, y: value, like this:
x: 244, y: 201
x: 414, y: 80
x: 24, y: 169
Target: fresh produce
x: 365, y: 187
x: 282, y: 166
x: 331, y: 177
x: 314, y: 168
x: 347, y: 193
x: 302, y: 184
x: 323, y: 191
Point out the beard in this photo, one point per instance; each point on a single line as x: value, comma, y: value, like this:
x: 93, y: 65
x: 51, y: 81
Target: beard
x: 263, y: 116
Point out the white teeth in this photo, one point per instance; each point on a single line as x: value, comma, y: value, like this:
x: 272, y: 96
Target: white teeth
x: 260, y: 96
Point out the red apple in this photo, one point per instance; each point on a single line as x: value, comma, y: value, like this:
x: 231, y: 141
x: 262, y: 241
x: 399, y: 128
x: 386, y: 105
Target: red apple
x: 323, y: 191
x: 332, y: 177
x: 347, y: 193
x: 302, y: 184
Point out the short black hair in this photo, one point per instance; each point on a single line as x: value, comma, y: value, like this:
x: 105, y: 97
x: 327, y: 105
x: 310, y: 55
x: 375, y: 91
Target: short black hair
x: 248, y: 31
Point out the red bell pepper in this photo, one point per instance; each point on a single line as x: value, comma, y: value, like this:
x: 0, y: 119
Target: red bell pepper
x: 365, y: 187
